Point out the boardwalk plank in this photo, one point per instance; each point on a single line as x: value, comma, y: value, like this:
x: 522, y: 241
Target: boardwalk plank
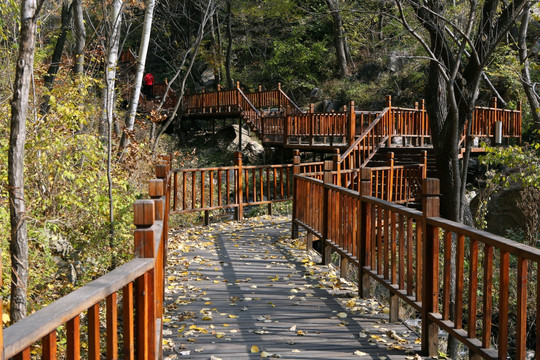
x: 233, y: 286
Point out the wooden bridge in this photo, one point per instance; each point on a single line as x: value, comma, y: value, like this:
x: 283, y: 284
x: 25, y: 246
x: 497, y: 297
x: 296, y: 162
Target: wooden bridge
x: 340, y: 206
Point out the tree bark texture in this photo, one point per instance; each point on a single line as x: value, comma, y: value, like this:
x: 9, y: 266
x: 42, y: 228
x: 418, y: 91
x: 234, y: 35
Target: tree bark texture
x: 228, y: 56
x: 17, y: 138
x: 141, y: 63
x: 80, y: 36
x: 525, y: 70
x: 340, y: 41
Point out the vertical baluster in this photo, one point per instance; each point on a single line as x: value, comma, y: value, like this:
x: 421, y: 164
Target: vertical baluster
x: 193, y: 190
x: 184, y: 190
x: 460, y: 255
x: 410, y: 257
x: 488, y: 296
x: 211, y: 193
x: 473, y: 288
x: 220, y: 185
x: 73, y: 351
x: 49, y: 346
x: 127, y: 322
x: 93, y: 333
x: 402, y: 255
x: 521, y: 328
x: 447, y: 273
x: 504, y: 282
x: 203, y: 189
x: 112, y: 326
x: 380, y: 250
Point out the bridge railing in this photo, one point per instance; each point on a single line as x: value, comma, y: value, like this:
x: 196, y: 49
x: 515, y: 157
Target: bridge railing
x: 214, y: 188
x: 139, y: 283
x: 412, y: 254
x: 364, y: 147
x: 485, y: 120
x: 273, y: 102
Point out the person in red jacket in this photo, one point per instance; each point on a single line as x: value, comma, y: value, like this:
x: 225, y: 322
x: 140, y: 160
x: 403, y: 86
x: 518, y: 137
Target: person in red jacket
x: 148, y: 84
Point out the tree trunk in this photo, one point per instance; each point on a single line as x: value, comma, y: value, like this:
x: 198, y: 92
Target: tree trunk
x: 525, y: 70
x: 115, y: 21
x: 230, y: 81
x: 339, y: 38
x: 141, y: 61
x: 80, y: 36
x: 206, y: 17
x: 17, y: 138
x: 57, y: 53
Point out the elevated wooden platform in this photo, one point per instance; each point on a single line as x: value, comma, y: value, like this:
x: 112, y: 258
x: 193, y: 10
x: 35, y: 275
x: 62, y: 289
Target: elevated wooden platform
x: 234, y: 286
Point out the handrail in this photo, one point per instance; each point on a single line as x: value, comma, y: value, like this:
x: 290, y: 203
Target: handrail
x: 290, y: 101
x: 410, y: 253
x: 43, y: 322
x: 142, y: 284
x: 366, y: 145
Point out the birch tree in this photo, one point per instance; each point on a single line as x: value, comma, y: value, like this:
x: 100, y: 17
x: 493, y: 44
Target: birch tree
x: 141, y: 62
x: 17, y: 205
x: 114, y: 16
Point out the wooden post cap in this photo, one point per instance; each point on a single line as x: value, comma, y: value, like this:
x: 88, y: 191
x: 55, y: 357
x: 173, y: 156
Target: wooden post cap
x: 161, y: 171
x: 365, y: 174
x: 144, y: 213
x: 155, y: 188
x: 431, y: 186
x: 296, y: 152
x: 238, y: 84
x: 328, y: 165
x: 390, y: 155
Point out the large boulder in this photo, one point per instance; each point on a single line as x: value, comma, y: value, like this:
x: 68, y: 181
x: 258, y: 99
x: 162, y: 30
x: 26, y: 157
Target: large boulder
x: 503, y: 214
x: 229, y: 138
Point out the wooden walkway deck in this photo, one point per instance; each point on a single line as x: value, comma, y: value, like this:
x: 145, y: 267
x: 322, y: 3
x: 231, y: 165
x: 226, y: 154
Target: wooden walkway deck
x: 233, y: 286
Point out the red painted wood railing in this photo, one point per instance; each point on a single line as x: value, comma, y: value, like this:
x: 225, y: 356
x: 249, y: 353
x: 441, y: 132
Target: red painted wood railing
x: 410, y: 253
x: 139, y: 283
x: 213, y: 188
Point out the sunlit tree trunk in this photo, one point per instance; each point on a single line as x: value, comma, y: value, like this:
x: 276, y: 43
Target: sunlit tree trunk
x: 17, y: 138
x: 80, y: 36
x: 139, y: 73
x: 340, y: 41
x: 112, y: 46
x: 525, y: 70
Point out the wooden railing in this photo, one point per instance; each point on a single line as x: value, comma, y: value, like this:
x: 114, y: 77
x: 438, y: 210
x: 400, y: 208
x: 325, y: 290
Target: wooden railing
x: 485, y: 119
x: 139, y: 283
x: 273, y: 102
x: 364, y: 147
x: 410, y: 253
x: 412, y: 125
x: 215, y: 188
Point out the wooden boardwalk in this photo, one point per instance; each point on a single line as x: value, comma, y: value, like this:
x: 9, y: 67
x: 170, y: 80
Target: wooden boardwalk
x: 246, y: 291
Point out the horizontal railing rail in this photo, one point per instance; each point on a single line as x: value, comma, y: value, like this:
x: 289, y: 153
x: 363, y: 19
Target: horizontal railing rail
x: 215, y: 188
x: 365, y: 145
x: 413, y: 255
x: 140, y: 282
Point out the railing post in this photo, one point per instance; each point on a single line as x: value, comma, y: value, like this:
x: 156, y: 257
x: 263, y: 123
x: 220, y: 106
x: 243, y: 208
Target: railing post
x: 351, y: 124
x: 279, y: 97
x: 493, y: 124
x: 239, y: 186
x: 259, y: 105
x: 144, y: 214
x: 423, y: 131
x: 424, y: 162
x: 430, y: 254
x: 392, y: 120
x: 328, y: 179
x: 312, y: 108
x: 390, y: 185
x: 337, y: 166
x: 296, y: 171
x: 519, y: 121
x: 364, y: 238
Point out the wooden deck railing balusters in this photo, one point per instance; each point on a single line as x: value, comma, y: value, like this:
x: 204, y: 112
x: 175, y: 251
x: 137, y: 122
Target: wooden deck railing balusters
x: 430, y: 255
x: 296, y: 171
x: 94, y: 348
x: 365, y: 252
